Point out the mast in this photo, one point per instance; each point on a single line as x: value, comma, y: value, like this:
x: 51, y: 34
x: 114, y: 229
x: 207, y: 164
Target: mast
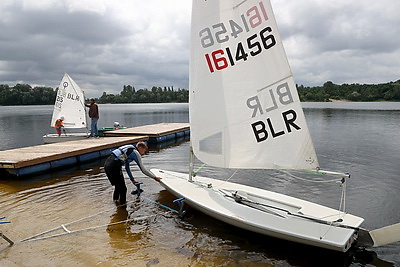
x: 191, y: 164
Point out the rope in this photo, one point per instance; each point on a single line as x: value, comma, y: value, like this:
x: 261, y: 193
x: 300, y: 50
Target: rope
x: 308, y: 180
x: 73, y: 222
x: 245, y: 201
x: 342, y: 205
x: 227, y: 180
x: 198, y: 169
x: 161, y: 205
x: 67, y: 232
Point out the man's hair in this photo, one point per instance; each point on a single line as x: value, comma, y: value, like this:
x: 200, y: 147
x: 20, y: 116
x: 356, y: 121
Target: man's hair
x: 142, y: 144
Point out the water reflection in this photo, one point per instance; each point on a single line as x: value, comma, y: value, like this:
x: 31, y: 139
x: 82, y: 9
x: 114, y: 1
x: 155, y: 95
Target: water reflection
x: 118, y: 232
x: 368, y: 147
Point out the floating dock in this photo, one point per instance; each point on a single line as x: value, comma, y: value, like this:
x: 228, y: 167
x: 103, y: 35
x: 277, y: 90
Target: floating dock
x: 157, y: 133
x: 42, y: 158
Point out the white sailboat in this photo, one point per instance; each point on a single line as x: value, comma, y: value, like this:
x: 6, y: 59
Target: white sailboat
x: 69, y: 104
x: 245, y: 113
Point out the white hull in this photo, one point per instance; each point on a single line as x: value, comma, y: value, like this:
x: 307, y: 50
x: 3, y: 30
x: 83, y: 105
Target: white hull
x: 278, y: 215
x: 54, y: 138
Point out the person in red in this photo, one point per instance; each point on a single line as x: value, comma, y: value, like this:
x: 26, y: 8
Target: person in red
x: 59, y: 124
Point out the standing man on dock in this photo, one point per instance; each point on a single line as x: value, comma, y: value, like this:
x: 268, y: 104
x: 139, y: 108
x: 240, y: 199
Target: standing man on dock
x: 94, y: 117
x: 123, y: 156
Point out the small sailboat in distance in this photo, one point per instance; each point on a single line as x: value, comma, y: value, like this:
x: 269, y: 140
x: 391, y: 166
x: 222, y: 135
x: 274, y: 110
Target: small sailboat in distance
x: 245, y: 113
x: 69, y: 104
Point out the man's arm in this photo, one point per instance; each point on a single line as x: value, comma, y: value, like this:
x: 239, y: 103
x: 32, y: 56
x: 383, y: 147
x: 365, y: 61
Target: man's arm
x: 143, y: 169
x: 128, y: 171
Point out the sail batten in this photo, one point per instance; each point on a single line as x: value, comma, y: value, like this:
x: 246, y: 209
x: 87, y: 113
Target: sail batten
x: 245, y: 111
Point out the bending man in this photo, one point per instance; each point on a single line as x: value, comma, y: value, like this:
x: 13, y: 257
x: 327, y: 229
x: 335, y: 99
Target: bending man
x: 123, y: 156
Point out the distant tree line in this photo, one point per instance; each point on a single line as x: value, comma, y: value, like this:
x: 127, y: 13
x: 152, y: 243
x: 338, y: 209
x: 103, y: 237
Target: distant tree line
x: 156, y: 95
x: 24, y: 94
x: 352, y: 92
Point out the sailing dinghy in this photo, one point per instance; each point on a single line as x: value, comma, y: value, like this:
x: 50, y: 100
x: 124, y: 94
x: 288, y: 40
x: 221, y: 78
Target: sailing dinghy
x: 69, y: 104
x: 245, y: 113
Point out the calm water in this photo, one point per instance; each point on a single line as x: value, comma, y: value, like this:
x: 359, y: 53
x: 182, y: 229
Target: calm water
x: 360, y: 138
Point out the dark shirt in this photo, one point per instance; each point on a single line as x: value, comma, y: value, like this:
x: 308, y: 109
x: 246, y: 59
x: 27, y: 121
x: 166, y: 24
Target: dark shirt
x: 93, y: 110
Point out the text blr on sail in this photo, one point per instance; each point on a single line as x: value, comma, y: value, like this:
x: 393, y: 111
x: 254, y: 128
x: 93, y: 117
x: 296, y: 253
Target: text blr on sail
x: 62, y: 94
x: 255, y: 44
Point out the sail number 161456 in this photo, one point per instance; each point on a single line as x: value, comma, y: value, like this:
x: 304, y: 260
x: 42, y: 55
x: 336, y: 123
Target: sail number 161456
x: 255, y: 44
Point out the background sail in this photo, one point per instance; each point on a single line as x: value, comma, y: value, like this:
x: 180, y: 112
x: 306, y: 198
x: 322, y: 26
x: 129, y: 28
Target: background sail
x: 70, y: 104
x: 244, y: 107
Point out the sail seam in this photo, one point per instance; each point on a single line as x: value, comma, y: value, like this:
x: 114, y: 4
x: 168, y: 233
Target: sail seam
x: 241, y: 3
x: 276, y: 82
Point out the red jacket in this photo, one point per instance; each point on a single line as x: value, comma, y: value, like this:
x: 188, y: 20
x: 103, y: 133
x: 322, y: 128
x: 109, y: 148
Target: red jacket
x: 59, y: 124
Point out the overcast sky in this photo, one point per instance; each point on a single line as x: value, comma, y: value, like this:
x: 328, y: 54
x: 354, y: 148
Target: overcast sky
x: 105, y: 44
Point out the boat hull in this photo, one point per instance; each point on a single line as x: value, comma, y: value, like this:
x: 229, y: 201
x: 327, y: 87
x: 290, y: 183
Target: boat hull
x: 54, y: 138
x: 106, y: 129
x: 273, y: 214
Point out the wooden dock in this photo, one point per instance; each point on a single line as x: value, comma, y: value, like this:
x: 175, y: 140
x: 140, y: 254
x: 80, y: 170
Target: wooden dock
x: 156, y: 132
x: 41, y: 158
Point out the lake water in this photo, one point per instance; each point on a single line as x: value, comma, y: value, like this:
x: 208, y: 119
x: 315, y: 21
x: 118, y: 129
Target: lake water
x: 360, y: 138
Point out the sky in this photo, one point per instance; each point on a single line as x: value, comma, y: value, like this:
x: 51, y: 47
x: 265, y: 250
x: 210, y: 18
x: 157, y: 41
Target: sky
x: 105, y: 44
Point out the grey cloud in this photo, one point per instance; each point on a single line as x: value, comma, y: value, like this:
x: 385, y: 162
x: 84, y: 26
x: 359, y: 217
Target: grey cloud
x: 344, y: 42
x: 338, y: 40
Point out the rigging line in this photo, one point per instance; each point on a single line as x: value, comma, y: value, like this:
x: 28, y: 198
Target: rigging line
x: 67, y: 232
x: 308, y: 180
x: 264, y: 209
x: 63, y: 226
x: 227, y: 180
x: 161, y: 205
x: 70, y: 223
x: 199, y: 169
x: 342, y: 208
x: 342, y: 205
x: 210, y: 185
x: 244, y: 201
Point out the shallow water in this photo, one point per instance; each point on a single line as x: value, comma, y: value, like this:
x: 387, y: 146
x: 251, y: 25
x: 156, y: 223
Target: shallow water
x: 358, y: 138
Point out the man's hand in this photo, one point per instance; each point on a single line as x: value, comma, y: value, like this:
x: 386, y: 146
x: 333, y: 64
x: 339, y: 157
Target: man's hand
x: 158, y: 179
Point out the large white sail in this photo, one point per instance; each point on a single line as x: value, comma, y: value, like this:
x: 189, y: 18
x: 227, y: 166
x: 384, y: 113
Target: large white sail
x: 244, y: 107
x: 69, y: 104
